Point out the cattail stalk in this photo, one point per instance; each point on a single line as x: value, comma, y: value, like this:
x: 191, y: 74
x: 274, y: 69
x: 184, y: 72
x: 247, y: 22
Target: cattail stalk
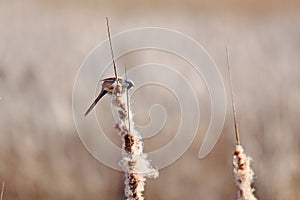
x: 2, y: 190
x: 242, y: 171
x: 134, y: 162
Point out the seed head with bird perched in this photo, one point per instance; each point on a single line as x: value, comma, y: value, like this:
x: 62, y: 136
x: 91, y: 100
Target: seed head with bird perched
x: 108, y: 84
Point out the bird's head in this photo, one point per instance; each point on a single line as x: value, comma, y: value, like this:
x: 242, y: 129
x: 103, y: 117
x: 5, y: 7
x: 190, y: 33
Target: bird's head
x: 129, y: 83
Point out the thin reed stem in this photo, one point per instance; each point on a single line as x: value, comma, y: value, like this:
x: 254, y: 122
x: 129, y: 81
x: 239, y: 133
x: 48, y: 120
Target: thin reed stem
x: 111, y: 49
x: 236, y: 129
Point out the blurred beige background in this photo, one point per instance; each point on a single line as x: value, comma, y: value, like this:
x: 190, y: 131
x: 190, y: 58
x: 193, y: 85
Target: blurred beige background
x: 42, y: 44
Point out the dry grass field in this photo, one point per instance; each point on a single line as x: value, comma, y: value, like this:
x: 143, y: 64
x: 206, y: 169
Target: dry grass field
x: 43, y: 43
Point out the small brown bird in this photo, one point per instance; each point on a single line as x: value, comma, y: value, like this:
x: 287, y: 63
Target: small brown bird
x: 107, y: 87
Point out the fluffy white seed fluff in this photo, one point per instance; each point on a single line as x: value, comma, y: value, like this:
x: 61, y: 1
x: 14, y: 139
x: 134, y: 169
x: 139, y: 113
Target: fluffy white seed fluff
x: 243, y: 174
x: 134, y: 162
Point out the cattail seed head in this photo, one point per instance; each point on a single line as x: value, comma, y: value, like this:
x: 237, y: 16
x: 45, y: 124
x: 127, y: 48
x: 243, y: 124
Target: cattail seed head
x: 134, y: 162
x: 243, y: 174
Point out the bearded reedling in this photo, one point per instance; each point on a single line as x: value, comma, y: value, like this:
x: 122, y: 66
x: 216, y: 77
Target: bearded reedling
x: 108, y: 86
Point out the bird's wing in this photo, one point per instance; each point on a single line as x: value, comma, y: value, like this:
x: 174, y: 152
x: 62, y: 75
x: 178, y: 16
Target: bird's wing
x: 102, y: 93
x: 112, y: 79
